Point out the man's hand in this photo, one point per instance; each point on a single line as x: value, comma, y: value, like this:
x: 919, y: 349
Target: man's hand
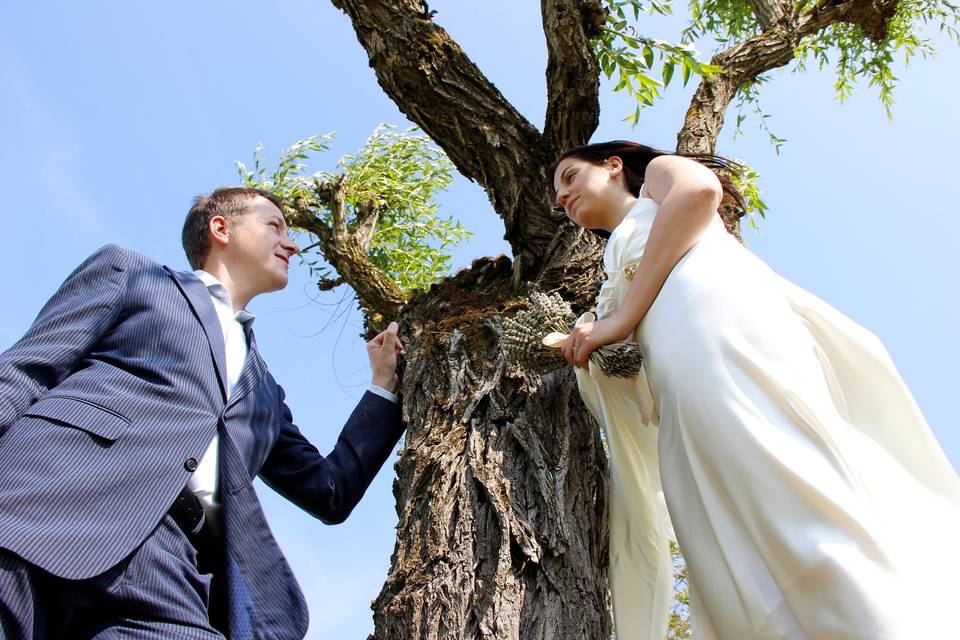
x: 382, y: 351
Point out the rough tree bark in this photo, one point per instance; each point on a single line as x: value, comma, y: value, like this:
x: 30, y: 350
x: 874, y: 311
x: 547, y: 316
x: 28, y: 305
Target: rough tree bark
x: 501, y: 483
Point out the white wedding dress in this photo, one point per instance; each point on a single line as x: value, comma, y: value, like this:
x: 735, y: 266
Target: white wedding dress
x: 807, y: 493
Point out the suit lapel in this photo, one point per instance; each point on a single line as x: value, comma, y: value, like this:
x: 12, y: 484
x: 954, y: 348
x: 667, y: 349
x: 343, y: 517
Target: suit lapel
x: 253, y: 370
x: 199, y: 299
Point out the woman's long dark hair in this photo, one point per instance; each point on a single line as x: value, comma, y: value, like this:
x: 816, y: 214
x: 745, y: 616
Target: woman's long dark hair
x: 636, y: 157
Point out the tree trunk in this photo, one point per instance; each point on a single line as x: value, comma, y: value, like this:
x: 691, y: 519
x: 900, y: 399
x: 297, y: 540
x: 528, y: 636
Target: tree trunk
x: 501, y: 485
x: 500, y: 488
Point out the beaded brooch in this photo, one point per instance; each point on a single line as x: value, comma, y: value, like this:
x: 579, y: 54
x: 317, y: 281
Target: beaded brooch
x: 630, y: 269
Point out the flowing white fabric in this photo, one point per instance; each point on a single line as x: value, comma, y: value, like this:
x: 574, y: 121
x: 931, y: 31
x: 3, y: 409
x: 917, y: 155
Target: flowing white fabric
x: 808, y: 494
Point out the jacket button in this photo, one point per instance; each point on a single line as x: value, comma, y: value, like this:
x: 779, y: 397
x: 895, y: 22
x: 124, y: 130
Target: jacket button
x: 190, y: 464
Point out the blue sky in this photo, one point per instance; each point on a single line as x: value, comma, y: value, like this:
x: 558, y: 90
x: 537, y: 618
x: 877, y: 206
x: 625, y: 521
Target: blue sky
x: 115, y: 115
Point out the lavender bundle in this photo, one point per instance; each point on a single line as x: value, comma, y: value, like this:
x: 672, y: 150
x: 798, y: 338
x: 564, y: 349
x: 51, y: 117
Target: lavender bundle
x: 532, y: 339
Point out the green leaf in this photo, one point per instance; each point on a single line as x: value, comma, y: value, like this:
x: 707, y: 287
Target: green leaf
x: 648, y: 56
x: 647, y: 81
x: 619, y: 48
x: 667, y: 72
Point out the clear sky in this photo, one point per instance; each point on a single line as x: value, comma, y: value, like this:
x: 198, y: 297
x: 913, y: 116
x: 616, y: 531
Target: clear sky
x: 115, y: 114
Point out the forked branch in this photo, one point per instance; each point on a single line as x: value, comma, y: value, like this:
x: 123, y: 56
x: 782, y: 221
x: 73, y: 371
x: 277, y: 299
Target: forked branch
x: 346, y: 251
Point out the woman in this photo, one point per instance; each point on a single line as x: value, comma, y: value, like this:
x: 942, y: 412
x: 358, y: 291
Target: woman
x: 806, y: 491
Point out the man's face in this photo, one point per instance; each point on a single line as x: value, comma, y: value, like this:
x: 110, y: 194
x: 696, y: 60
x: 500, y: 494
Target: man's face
x: 260, y: 247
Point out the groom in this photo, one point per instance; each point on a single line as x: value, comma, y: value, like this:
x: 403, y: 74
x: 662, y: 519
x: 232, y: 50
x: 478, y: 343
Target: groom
x: 135, y: 414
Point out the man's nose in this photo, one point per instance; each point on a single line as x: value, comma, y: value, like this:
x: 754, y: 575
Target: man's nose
x: 291, y: 246
x: 562, y: 197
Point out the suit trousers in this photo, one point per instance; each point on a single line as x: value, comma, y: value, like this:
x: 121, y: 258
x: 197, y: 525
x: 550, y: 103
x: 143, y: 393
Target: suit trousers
x: 160, y: 591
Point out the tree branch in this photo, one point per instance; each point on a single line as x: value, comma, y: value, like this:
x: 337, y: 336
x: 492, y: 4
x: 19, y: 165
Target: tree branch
x: 329, y: 284
x: 870, y: 15
x: 347, y: 253
x: 769, y: 12
x: 430, y: 78
x: 368, y: 213
x: 333, y: 195
x: 573, y: 75
x: 744, y: 62
x: 740, y: 64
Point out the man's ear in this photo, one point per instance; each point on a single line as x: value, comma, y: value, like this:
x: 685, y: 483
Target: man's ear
x: 219, y: 230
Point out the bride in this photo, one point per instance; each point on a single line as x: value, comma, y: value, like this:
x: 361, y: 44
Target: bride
x: 771, y: 433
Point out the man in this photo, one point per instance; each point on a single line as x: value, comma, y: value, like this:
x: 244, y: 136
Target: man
x: 134, y: 415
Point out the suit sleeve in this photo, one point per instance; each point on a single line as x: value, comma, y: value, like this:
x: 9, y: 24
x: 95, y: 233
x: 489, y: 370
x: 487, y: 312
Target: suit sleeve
x: 63, y: 334
x: 329, y: 487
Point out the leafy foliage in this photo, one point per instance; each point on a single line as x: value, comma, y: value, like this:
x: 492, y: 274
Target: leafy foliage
x: 746, y: 181
x: 748, y: 99
x: 859, y: 56
x: 400, y: 173
x: 621, y: 50
x: 854, y: 54
x: 287, y: 181
x: 727, y: 22
x: 679, y: 628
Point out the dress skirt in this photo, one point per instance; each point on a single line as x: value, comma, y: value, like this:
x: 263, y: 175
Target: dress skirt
x: 807, y: 493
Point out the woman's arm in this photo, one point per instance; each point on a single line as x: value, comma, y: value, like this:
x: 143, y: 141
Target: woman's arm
x: 689, y: 195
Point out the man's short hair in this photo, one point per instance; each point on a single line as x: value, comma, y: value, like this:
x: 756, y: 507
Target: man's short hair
x: 228, y: 202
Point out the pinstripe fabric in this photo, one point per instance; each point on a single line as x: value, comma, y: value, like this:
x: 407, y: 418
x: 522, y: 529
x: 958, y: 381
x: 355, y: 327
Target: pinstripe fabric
x: 157, y: 593
x: 116, y: 386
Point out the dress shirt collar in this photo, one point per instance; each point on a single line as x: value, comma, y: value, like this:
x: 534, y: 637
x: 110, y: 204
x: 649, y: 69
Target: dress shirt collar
x: 219, y: 292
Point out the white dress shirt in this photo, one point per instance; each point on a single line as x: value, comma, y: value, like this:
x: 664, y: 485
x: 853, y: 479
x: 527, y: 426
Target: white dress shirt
x: 205, y: 480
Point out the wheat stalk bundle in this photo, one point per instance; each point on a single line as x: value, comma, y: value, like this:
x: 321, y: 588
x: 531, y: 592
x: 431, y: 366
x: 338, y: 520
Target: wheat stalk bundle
x: 532, y: 339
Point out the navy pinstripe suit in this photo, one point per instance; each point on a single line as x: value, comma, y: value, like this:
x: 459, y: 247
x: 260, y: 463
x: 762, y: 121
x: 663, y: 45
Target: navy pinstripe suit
x: 111, y: 395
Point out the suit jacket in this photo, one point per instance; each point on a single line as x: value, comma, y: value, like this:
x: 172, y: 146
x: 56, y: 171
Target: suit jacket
x: 113, y: 395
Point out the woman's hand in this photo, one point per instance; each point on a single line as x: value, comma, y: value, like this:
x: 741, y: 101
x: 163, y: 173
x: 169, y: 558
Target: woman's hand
x: 590, y: 335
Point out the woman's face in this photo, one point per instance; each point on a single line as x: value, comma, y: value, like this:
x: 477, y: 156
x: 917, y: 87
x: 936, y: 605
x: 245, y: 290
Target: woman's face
x: 590, y: 192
